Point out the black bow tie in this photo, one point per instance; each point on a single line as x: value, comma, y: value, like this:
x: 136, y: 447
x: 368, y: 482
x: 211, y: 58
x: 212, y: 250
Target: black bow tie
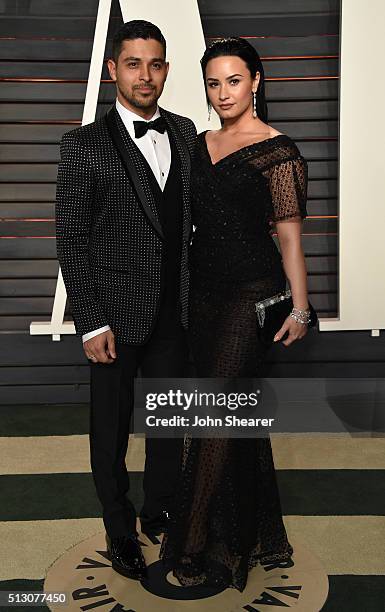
x: 141, y: 127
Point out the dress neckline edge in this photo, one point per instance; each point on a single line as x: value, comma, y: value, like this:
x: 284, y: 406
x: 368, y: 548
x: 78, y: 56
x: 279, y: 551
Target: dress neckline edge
x: 252, y: 144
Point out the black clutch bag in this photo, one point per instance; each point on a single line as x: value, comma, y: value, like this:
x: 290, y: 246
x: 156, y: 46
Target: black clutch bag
x: 272, y: 312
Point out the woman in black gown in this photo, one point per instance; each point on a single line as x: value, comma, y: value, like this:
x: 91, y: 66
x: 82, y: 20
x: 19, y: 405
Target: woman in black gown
x: 227, y: 515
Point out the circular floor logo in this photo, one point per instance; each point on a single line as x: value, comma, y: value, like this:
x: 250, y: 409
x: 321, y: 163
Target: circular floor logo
x: 84, y: 573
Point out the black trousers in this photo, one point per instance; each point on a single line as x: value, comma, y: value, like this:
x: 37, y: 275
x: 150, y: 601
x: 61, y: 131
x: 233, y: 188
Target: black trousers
x: 164, y: 355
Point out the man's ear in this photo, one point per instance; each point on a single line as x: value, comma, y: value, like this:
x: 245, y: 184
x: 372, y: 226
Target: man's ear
x: 167, y: 65
x: 112, y: 69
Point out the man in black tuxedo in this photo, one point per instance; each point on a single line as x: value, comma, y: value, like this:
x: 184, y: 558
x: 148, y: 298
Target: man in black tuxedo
x: 123, y: 229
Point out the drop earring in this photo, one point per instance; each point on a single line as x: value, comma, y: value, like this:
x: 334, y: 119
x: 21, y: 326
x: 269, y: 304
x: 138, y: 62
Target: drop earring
x: 254, y: 104
x: 209, y: 108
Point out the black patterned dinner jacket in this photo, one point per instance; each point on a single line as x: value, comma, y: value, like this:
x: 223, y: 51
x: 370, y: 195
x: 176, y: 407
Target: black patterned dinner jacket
x: 109, y: 236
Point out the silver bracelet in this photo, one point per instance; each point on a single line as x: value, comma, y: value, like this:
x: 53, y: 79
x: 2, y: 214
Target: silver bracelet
x: 301, y: 316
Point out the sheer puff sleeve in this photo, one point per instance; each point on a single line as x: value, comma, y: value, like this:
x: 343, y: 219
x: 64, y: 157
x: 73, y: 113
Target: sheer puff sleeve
x: 287, y: 176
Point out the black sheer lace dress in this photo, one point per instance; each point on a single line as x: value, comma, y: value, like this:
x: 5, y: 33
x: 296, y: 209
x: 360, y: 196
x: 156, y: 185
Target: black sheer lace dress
x: 227, y: 515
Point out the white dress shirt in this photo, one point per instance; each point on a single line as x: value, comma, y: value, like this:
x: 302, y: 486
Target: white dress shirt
x: 157, y: 151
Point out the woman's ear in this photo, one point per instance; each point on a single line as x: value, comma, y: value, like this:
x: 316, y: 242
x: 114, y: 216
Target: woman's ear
x: 256, y: 81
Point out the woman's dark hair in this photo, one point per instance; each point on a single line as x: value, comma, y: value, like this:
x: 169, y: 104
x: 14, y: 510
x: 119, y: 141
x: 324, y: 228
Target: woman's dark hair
x: 243, y: 49
x: 137, y: 28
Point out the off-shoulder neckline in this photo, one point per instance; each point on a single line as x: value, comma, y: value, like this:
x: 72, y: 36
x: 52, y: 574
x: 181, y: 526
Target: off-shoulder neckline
x: 246, y: 147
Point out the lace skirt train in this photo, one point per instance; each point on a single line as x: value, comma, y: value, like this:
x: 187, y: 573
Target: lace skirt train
x: 226, y: 515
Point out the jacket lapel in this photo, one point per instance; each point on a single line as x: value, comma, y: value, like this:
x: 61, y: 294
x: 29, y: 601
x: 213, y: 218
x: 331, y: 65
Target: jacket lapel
x: 134, y: 166
x: 185, y: 160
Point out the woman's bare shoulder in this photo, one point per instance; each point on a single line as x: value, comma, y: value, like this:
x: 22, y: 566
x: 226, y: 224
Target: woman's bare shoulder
x: 273, y: 132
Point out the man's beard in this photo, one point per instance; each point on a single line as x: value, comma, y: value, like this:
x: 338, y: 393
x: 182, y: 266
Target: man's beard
x: 139, y: 102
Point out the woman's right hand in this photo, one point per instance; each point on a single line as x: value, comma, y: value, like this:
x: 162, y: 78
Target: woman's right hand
x: 296, y: 331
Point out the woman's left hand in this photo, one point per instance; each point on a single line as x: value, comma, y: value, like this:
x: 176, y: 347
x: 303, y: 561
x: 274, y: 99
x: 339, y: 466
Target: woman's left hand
x: 296, y: 331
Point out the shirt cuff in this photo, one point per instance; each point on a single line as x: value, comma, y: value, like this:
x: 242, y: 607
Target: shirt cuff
x: 96, y: 332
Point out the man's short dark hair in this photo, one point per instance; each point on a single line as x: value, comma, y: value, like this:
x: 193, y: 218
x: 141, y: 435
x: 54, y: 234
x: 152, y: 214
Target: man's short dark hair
x: 138, y: 28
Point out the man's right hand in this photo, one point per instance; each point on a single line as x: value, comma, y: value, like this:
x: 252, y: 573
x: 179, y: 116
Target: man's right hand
x: 101, y: 348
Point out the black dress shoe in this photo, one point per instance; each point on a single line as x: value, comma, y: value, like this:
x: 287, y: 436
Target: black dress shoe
x: 156, y: 526
x: 126, y: 556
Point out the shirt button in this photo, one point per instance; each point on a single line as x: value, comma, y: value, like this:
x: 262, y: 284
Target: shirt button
x: 162, y: 173
x: 154, y: 141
